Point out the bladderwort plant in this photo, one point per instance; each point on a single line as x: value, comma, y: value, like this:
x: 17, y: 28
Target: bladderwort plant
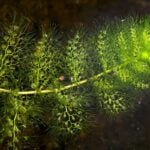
x: 43, y: 78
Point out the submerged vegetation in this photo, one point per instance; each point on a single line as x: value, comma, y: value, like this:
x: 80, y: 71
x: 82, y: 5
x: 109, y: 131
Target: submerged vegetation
x: 53, y: 83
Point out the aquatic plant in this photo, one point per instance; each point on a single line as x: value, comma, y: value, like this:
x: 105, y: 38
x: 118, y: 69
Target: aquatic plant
x: 42, y: 75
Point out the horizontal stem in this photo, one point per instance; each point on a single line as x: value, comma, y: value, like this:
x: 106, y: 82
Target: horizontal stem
x: 5, y: 90
x: 65, y: 87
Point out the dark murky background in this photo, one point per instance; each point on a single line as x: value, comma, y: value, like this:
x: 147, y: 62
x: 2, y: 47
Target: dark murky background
x: 128, y: 131
x: 72, y: 12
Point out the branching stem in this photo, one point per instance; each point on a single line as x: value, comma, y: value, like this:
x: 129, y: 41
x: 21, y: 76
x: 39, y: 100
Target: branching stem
x: 65, y: 87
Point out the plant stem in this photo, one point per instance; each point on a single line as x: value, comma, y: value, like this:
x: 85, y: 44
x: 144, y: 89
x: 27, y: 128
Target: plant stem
x: 14, y: 132
x: 5, y: 90
x: 65, y: 87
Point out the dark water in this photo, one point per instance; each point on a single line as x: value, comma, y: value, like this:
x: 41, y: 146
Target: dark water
x: 68, y: 13
x: 129, y: 131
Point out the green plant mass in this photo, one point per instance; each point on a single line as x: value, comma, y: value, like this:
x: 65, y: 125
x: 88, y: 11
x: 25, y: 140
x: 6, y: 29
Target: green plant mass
x: 55, y: 79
